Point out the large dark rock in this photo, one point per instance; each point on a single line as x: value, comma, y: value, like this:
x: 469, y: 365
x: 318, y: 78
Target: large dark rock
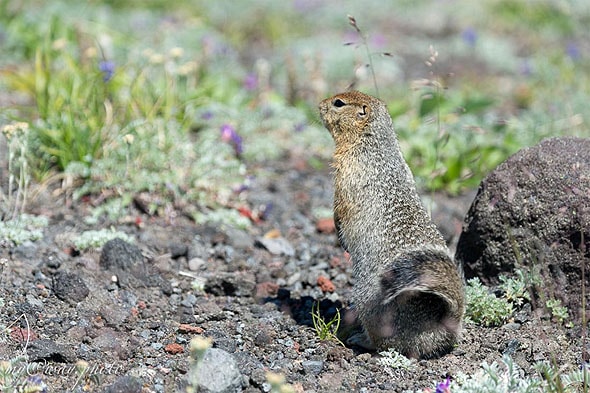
x: 533, y: 212
x: 69, y: 287
x: 126, y: 261
x: 45, y: 350
x: 119, y: 254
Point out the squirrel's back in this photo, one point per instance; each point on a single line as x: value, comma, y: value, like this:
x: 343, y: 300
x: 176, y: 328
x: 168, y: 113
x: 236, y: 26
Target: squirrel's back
x: 408, y: 291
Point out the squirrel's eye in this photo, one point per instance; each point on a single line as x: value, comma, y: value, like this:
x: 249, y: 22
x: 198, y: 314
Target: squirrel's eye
x: 338, y: 103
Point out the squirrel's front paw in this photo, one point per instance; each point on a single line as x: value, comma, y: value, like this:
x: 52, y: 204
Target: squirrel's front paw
x: 360, y: 339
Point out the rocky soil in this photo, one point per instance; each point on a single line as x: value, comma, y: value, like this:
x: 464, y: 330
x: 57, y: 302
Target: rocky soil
x: 130, y: 310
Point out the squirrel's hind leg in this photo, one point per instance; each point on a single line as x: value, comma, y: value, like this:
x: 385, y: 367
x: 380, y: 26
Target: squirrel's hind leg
x: 423, y: 302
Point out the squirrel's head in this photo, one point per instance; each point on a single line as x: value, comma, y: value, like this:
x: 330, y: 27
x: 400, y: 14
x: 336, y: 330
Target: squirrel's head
x: 348, y: 116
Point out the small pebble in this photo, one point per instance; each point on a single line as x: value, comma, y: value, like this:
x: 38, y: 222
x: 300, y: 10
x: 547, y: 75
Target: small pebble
x: 325, y: 225
x: 195, y: 264
x: 312, y: 367
x: 174, y: 348
x: 511, y: 326
x: 325, y: 284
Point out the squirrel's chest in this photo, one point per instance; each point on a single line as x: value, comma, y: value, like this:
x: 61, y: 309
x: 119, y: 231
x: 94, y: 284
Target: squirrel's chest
x: 356, y: 195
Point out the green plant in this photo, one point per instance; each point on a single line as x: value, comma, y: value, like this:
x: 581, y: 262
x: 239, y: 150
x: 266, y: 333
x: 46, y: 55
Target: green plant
x: 515, y: 289
x: 353, y: 23
x: 505, y: 376
x: 97, y: 238
x: 554, y: 382
x: 431, y: 100
x: 4, y: 333
x: 393, y: 359
x: 325, y: 330
x: 15, y: 377
x: 277, y: 383
x: 23, y: 228
x: 15, y: 199
x: 222, y: 215
x: 198, y: 347
x: 16, y: 374
x: 499, y: 377
x: 71, y: 98
x: 559, y: 312
x: 113, y: 209
x: 483, y: 307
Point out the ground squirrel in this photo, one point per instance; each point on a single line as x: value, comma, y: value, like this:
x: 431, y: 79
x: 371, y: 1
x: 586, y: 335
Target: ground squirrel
x: 408, y: 291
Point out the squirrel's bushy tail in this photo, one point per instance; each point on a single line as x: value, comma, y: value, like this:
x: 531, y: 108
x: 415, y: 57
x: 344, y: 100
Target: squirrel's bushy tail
x: 423, y: 302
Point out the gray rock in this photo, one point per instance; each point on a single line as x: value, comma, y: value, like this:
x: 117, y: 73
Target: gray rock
x: 312, y: 367
x: 69, y: 287
x: 126, y: 384
x: 511, y: 326
x: 524, y: 314
x: 276, y: 246
x: 114, y: 314
x: 34, y: 302
x: 157, y: 346
x: 294, y: 278
x: 177, y: 250
x: 238, y: 238
x: 108, y: 340
x: 189, y: 300
x: 219, y: 373
x: 197, y: 249
x: 25, y: 251
x: 533, y: 212
x: 196, y: 263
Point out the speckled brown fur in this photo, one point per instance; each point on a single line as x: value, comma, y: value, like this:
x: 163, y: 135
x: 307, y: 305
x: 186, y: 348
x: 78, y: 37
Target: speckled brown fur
x: 408, y: 292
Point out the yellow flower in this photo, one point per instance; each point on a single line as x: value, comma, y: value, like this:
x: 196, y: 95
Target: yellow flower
x: 12, y: 129
x: 156, y: 58
x: 148, y: 52
x: 176, y: 52
x: 59, y: 44
x: 91, y: 52
x: 187, y: 68
x: 128, y: 138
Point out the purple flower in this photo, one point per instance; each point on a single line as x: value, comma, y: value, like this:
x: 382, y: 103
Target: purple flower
x: 444, y: 386
x: 525, y: 68
x: 267, y: 112
x: 245, y: 186
x: 250, y: 82
x: 300, y: 126
x: 378, y: 40
x: 229, y: 135
x: 107, y: 68
x: 573, y: 51
x: 266, y: 210
x: 36, y: 382
x: 469, y: 35
x: 207, y: 115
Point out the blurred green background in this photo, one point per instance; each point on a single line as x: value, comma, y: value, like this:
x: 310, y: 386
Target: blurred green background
x: 186, y: 99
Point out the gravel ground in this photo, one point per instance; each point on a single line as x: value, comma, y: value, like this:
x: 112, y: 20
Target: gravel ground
x: 130, y: 310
